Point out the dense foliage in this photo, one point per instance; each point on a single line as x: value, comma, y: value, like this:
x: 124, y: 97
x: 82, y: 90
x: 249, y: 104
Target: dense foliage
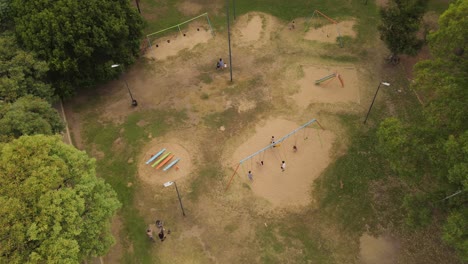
x: 21, y: 73
x: 432, y: 155
x: 28, y: 116
x: 54, y: 209
x: 400, y: 23
x: 78, y: 39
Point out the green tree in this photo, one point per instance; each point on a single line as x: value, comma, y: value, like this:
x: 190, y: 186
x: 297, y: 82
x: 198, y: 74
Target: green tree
x: 54, y: 208
x: 79, y: 39
x: 5, y: 14
x: 28, y: 116
x: 437, y: 145
x: 456, y: 233
x: 21, y: 73
x: 400, y: 23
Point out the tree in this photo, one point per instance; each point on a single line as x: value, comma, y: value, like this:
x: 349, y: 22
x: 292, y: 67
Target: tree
x: 400, y: 23
x: 54, y: 208
x: 79, y: 39
x: 21, y: 73
x: 28, y: 116
x: 5, y: 14
x: 437, y: 144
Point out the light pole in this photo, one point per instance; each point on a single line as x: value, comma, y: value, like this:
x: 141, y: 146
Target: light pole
x: 229, y: 38
x: 134, y: 102
x: 167, y: 184
x: 384, y: 83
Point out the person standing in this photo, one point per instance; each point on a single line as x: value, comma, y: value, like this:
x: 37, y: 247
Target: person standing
x: 149, y: 233
x: 250, y: 175
x: 161, y: 234
x: 283, y: 165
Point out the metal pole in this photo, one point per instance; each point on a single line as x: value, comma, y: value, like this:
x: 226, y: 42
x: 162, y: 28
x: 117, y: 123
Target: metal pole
x: 229, y: 38
x: 134, y: 102
x: 372, y: 103
x: 234, y: 8
x: 180, y: 200
x: 138, y: 5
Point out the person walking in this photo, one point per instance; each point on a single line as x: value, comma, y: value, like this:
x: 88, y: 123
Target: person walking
x: 250, y: 175
x: 283, y: 165
x: 149, y: 233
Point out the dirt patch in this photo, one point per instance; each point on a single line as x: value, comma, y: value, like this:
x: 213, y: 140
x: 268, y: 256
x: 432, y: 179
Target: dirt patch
x: 115, y: 252
x: 189, y: 8
x: 172, y: 44
x: 381, y: 3
x: 329, y: 32
x: 330, y: 91
x: 408, y: 62
x: 378, y: 250
x: 252, y: 30
x: 156, y: 177
x: 290, y: 188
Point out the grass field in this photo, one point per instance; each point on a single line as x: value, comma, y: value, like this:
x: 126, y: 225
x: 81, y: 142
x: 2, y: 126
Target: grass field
x: 354, y: 195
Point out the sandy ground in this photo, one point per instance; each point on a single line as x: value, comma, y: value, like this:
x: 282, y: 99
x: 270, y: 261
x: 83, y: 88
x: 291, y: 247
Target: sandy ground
x: 378, y: 250
x: 252, y: 30
x: 170, y: 45
x: 330, y: 91
x: 156, y: 177
x: 292, y: 187
x: 329, y: 32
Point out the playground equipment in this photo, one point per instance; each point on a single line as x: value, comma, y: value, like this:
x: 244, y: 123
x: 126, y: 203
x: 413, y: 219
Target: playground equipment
x: 276, y: 144
x: 329, y: 78
x: 318, y: 14
x: 155, y: 156
x: 164, y: 161
x: 161, y: 159
x: 154, y: 35
x: 171, y: 164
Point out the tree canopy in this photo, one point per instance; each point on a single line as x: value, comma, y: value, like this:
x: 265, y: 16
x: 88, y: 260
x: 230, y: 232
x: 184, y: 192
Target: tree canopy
x: 432, y: 154
x: 78, y: 39
x: 21, y: 73
x: 400, y: 23
x: 54, y: 208
x: 28, y: 116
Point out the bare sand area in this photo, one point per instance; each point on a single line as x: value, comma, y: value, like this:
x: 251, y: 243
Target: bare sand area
x: 250, y: 28
x: 156, y: 177
x: 292, y: 187
x: 330, y: 91
x: 378, y: 250
x: 329, y: 32
x: 169, y: 45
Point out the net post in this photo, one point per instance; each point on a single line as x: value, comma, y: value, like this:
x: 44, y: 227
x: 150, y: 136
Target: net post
x: 209, y: 23
x: 235, y: 171
x: 149, y: 42
x: 319, y: 125
x: 339, y: 35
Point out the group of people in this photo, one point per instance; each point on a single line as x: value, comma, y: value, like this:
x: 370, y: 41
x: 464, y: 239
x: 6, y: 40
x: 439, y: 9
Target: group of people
x: 283, y: 163
x: 161, y: 234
